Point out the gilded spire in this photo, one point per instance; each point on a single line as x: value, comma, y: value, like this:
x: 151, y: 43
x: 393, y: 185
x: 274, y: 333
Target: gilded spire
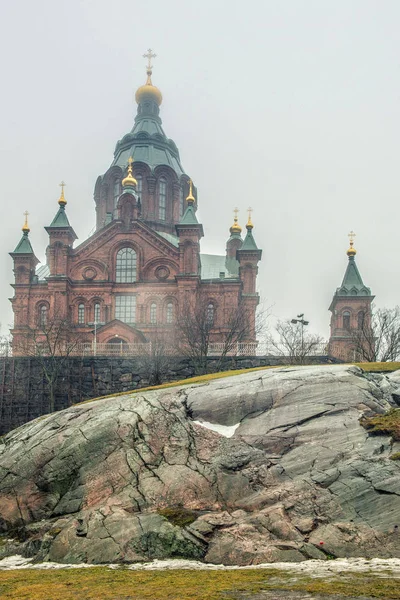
x: 25, y: 227
x: 249, y: 224
x: 235, y: 228
x: 129, y: 180
x: 62, y: 201
x: 351, y: 251
x: 148, y: 89
x: 190, y: 199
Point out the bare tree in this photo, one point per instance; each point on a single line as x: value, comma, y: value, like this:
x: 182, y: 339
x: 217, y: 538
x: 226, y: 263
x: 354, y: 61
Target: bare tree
x: 378, y: 339
x: 52, y: 343
x: 199, y: 327
x: 293, y: 343
x: 157, y: 358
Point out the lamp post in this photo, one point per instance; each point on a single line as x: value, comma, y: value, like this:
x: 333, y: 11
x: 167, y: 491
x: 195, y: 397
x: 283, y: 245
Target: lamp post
x: 302, y: 322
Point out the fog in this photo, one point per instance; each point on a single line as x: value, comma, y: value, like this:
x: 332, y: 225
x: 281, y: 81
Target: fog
x: 289, y: 106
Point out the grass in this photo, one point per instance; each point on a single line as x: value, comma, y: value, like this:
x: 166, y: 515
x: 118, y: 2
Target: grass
x: 379, y: 367
x: 121, y: 584
x: 387, y: 424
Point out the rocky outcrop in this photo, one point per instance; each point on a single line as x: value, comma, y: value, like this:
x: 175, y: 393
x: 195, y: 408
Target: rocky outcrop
x: 154, y: 475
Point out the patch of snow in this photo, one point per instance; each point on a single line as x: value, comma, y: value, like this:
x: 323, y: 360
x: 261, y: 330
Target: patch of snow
x: 385, y: 567
x: 225, y: 430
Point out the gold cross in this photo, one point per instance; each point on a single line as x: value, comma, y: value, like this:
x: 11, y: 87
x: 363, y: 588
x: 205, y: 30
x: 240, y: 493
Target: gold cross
x: 149, y: 55
x: 130, y: 161
x: 26, y: 214
x: 352, y: 235
x: 249, y: 210
x: 235, y: 212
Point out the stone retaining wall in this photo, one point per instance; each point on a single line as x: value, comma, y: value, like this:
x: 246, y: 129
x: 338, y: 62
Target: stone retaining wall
x: 24, y: 391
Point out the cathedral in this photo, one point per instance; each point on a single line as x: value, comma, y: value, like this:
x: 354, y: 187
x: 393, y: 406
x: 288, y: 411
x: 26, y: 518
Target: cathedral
x: 142, y: 266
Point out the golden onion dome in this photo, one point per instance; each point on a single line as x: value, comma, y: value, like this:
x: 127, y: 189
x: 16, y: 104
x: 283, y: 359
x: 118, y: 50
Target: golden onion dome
x: 351, y: 251
x: 129, y: 180
x: 62, y: 201
x: 235, y: 228
x: 148, y: 91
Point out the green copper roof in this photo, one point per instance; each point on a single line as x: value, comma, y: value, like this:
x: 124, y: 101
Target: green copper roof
x: 352, y: 284
x: 24, y: 246
x: 249, y: 242
x: 61, y: 219
x: 148, y: 143
x: 189, y: 216
x: 212, y: 265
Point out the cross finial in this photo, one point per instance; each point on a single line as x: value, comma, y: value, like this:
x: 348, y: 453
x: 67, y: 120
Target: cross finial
x: 62, y: 201
x: 352, y: 235
x: 249, y: 223
x: 235, y: 212
x: 25, y: 228
x: 190, y: 198
x: 149, y: 55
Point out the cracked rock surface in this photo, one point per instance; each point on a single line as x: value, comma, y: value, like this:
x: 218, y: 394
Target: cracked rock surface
x: 114, y: 480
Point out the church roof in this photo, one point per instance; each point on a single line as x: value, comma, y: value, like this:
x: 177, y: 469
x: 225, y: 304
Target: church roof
x: 61, y: 219
x: 24, y: 246
x: 213, y: 264
x: 148, y: 143
x: 352, y: 284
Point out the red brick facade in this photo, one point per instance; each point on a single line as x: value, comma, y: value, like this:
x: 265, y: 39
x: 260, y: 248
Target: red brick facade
x: 160, y: 264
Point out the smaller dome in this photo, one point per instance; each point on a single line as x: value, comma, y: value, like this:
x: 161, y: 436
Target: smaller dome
x: 235, y: 228
x: 148, y: 91
x: 351, y: 251
x: 129, y: 180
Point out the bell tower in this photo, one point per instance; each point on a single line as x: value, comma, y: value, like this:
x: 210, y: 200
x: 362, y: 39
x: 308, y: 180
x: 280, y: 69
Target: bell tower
x: 351, y: 310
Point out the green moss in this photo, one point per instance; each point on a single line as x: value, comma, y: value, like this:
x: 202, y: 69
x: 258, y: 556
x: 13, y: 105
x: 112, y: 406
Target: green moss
x: 379, y: 366
x: 178, y: 515
x: 387, y: 424
x: 395, y: 456
x: 101, y: 583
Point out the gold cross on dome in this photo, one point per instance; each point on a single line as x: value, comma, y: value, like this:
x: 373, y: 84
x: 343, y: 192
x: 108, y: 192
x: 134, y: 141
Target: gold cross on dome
x: 249, y: 210
x: 235, y: 212
x: 130, y: 161
x: 149, y: 55
x: 26, y: 214
x: 62, y: 185
x: 352, y: 235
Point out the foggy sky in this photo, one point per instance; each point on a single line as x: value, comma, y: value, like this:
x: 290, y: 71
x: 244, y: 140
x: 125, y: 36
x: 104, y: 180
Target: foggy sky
x: 289, y: 106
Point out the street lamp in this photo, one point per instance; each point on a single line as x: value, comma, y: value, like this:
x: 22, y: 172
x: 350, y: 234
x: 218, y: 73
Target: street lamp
x: 300, y: 319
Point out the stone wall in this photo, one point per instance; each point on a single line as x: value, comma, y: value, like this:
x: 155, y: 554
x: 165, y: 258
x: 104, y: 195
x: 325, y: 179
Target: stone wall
x: 24, y: 393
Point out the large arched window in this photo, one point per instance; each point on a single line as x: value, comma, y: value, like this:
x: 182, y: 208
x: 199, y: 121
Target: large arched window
x: 360, y: 320
x: 139, y: 186
x: 81, y: 314
x: 43, y: 314
x: 210, y: 314
x: 117, y: 190
x: 346, y: 320
x: 125, y: 269
x: 162, y: 198
x: 170, y: 312
x: 97, y: 312
x: 153, y: 313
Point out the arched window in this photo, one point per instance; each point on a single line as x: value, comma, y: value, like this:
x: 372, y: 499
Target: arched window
x: 210, y: 313
x: 346, y: 320
x: 181, y: 202
x: 139, y: 186
x: 162, y: 198
x: 153, y: 313
x: 117, y: 189
x: 170, y: 312
x: 81, y: 314
x: 125, y: 271
x: 97, y: 312
x: 43, y: 313
x: 360, y: 320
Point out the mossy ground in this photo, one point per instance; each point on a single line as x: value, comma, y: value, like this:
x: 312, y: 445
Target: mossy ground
x: 179, y: 515
x: 387, y: 424
x: 100, y: 583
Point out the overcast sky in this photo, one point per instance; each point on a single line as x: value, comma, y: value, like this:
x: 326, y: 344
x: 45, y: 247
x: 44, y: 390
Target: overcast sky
x: 290, y: 106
